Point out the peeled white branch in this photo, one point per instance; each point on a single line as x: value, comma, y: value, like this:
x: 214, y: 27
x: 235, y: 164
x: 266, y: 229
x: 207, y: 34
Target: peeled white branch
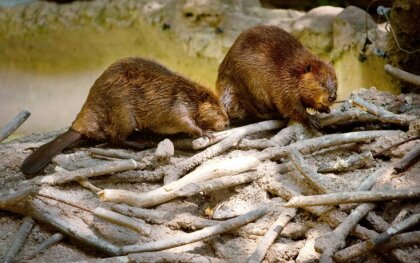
x: 271, y: 235
x: 15, y: 123
x: 197, y: 235
x: 122, y: 220
x: 409, y: 159
x: 227, y: 143
x: 20, y: 238
x: 282, y: 138
x: 84, y: 173
x: 148, y: 215
x: 218, y: 183
x: 353, y: 197
x: 120, y: 153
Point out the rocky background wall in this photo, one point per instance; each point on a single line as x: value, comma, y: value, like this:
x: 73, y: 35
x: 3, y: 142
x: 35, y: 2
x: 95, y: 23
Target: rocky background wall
x: 50, y: 54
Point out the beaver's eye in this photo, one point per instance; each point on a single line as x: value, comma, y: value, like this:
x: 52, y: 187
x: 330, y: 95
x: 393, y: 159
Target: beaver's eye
x: 308, y: 68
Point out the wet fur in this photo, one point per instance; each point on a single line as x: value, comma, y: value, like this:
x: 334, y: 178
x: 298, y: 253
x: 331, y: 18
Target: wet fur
x: 267, y: 71
x: 136, y: 94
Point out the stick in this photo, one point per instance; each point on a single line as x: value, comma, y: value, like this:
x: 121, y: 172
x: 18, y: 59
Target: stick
x: 271, y: 235
x: 402, y: 75
x: 220, y: 147
x: 310, y: 174
x: 282, y: 138
x: 216, y: 184
x: 15, y: 123
x: 335, y: 240
x: 149, y: 215
x: 7, y: 198
x: 408, y: 160
x: 83, y: 182
x: 120, y: 153
x: 160, y: 195
x: 352, y: 115
x: 19, y: 240
x: 392, y: 231
x: 400, y: 240
x: 52, y: 240
x: 186, y: 221
x: 197, y: 235
x: 123, y: 220
x: 216, y: 137
x: 396, y: 145
x: 377, y: 222
x: 355, y: 161
x: 353, y: 197
x: 170, y: 257
x: 102, y: 169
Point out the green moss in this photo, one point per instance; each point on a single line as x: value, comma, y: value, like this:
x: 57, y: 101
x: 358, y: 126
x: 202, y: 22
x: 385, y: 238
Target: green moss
x: 57, y: 49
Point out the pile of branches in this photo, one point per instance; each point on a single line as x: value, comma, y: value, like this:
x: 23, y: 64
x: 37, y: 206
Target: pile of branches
x: 247, y: 155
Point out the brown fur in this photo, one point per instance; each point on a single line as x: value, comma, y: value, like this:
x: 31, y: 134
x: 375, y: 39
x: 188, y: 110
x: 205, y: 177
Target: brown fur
x: 136, y: 93
x: 267, y: 71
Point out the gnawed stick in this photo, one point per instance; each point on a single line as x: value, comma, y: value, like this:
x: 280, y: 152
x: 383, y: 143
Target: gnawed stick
x: 120, y: 153
x: 409, y: 159
x: 52, y: 240
x: 353, y: 197
x: 282, y: 138
x: 381, y: 113
x: 308, y: 172
x: 400, y: 240
x: 402, y: 75
x: 187, y: 221
x: 398, y: 228
x: 197, y: 235
x: 102, y: 169
x: 19, y: 240
x: 333, y: 241
x: 340, y: 165
x: 271, y: 235
x: 350, y: 116
x: 148, y: 215
x: 9, y: 198
x: 15, y: 123
x: 218, y: 183
x: 123, y: 220
x: 167, y: 192
x: 227, y: 143
x: 377, y: 222
x: 83, y: 182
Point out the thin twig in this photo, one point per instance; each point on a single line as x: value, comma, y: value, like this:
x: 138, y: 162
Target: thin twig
x: 19, y: 240
x: 15, y: 123
x: 376, y: 155
x: 353, y: 197
x: 197, y: 235
x: 271, y: 235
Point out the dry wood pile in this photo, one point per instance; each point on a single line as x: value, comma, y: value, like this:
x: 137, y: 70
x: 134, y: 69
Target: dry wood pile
x: 260, y: 192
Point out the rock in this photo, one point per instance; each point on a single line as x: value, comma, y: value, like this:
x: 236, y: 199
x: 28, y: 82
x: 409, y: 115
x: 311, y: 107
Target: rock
x: 315, y: 28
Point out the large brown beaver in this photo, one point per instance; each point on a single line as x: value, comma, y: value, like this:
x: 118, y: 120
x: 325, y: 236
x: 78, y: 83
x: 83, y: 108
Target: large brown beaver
x: 135, y: 94
x: 267, y: 71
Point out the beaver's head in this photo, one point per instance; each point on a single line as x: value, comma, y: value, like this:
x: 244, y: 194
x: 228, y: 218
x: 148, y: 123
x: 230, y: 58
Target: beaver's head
x: 211, y: 114
x: 317, y: 85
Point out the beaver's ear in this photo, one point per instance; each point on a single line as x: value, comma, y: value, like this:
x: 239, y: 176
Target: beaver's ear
x: 308, y: 68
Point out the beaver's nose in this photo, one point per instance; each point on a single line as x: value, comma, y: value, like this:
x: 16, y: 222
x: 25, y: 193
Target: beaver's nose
x: 332, y: 98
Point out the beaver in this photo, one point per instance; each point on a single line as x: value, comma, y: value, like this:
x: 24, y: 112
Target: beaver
x: 136, y: 94
x: 267, y: 71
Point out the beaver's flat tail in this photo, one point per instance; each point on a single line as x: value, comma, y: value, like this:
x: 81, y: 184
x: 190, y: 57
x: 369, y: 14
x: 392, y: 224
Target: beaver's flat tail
x: 43, y: 155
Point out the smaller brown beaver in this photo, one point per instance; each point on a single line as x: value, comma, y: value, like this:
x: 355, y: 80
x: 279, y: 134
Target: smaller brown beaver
x: 136, y: 94
x: 267, y: 71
